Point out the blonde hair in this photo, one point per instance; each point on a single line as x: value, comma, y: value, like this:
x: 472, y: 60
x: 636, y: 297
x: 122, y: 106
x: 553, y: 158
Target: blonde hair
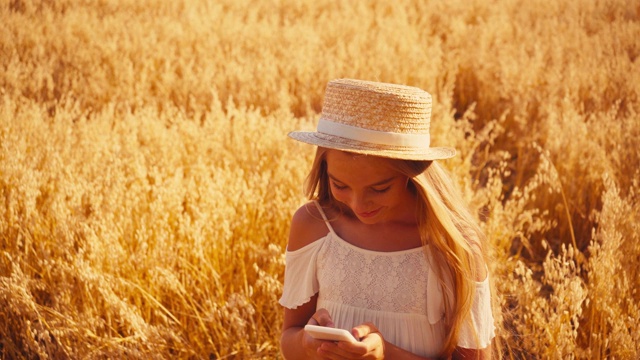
x: 445, y: 223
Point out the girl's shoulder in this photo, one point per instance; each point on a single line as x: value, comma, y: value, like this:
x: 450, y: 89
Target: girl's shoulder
x: 307, y: 226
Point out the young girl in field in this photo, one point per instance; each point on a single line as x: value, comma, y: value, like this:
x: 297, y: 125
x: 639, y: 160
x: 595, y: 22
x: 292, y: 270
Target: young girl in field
x: 385, y: 249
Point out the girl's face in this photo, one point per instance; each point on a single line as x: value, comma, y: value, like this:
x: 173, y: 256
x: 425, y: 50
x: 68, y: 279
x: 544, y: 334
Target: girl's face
x: 369, y: 186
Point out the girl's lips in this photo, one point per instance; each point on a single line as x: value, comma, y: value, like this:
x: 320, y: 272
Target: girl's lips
x: 368, y: 214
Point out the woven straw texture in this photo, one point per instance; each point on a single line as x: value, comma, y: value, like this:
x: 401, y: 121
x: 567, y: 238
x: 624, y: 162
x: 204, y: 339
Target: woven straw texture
x: 381, y: 107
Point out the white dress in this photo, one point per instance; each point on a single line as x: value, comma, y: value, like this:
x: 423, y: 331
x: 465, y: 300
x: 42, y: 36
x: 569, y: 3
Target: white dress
x: 397, y: 291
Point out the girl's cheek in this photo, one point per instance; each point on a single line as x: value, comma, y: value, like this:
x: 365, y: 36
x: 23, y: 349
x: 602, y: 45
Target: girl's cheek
x: 340, y: 196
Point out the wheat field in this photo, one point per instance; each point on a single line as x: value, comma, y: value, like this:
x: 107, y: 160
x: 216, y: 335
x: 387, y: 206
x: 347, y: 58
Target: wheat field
x: 146, y: 180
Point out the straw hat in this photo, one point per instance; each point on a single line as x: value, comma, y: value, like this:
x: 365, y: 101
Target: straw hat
x: 375, y: 118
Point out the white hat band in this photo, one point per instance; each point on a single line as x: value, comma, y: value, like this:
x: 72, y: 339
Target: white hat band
x: 373, y: 136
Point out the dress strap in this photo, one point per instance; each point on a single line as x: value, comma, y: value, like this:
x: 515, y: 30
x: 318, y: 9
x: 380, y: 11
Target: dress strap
x: 324, y: 217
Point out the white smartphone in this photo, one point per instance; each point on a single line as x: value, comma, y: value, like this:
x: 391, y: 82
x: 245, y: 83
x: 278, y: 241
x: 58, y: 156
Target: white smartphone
x: 327, y: 333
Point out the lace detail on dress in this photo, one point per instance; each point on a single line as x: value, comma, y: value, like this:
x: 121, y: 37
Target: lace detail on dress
x: 381, y: 281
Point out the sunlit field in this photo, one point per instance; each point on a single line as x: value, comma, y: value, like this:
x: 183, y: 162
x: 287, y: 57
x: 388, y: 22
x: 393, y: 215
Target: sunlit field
x: 147, y: 182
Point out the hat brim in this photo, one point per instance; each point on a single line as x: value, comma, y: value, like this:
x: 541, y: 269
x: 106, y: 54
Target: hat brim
x: 394, y: 152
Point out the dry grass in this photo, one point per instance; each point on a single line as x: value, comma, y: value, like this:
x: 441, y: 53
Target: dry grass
x: 146, y: 182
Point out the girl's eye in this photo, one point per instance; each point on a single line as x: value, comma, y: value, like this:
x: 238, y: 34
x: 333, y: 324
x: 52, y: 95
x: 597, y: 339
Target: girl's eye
x: 339, y: 187
x: 383, y: 190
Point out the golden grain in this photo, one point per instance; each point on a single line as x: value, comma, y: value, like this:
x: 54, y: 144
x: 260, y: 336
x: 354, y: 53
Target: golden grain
x: 146, y: 182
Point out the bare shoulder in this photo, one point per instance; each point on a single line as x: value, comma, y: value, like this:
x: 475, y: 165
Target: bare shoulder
x: 307, y: 226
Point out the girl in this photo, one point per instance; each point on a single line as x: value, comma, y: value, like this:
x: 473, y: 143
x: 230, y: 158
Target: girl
x: 386, y: 248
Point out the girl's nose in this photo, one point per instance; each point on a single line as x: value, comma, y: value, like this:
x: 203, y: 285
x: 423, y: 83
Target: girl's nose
x: 359, y: 202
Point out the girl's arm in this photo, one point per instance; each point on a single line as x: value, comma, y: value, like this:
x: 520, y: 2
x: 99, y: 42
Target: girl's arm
x: 294, y: 342
x: 306, y: 226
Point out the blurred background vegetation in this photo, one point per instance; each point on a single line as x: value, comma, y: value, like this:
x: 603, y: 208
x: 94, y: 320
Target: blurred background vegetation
x: 146, y: 180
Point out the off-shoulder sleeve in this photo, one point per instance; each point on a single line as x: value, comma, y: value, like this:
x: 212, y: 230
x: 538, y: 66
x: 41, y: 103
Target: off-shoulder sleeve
x: 478, y: 333
x: 300, y: 275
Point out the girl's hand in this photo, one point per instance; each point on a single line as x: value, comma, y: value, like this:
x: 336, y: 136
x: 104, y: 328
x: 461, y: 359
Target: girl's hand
x: 323, y: 318
x: 370, y: 347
